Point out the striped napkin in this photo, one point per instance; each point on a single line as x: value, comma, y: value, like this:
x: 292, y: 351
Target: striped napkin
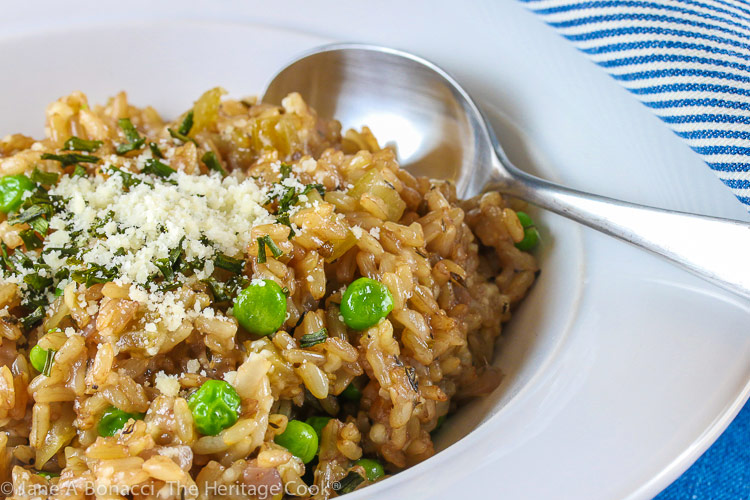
x: 687, y: 60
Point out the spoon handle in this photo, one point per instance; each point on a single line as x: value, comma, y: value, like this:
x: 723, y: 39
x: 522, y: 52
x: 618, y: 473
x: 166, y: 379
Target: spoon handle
x: 713, y: 248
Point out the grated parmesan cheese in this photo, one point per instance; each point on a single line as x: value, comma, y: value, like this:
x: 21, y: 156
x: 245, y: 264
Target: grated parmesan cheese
x: 169, y: 385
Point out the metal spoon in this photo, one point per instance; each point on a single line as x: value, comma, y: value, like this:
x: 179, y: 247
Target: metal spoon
x: 440, y: 132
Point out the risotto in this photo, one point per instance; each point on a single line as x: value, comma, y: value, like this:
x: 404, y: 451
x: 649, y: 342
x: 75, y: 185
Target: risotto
x: 242, y: 303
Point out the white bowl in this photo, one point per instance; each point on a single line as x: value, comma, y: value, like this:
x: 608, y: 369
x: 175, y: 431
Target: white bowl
x: 620, y: 370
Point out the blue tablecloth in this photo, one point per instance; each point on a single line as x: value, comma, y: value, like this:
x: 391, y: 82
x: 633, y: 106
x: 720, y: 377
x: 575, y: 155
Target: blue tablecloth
x: 723, y: 472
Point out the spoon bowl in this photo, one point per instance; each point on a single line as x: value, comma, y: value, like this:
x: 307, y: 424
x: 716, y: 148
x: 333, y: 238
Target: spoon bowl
x: 439, y: 132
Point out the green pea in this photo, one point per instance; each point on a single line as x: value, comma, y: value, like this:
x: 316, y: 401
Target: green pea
x: 261, y: 307
x: 38, y: 357
x: 215, y: 406
x: 373, y: 469
x: 12, y: 189
x: 317, y: 423
x: 365, y: 303
x: 300, y: 439
x: 530, y: 232
x: 113, y: 419
x: 351, y: 393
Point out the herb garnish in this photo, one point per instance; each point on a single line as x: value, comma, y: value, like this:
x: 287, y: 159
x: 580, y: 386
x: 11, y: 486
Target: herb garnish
x: 135, y: 141
x: 182, y: 132
x: 212, y: 162
x: 154, y: 166
x: 71, y: 158
x: 187, y: 123
x: 78, y: 144
x: 285, y: 170
x: 233, y: 265
x: 155, y: 151
x: 127, y: 178
x: 45, y: 178
x: 266, y: 241
x: 32, y: 319
x: 311, y: 339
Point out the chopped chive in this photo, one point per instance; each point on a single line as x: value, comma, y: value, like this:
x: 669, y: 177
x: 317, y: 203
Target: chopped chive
x: 45, y: 178
x: 187, y: 123
x: 135, y: 141
x: 286, y: 170
x: 318, y: 187
x: 275, y: 250
x: 78, y: 144
x: 155, y: 151
x: 127, y: 178
x: 154, y: 166
x: 48, y: 361
x: 182, y: 137
x: 233, y: 265
x: 311, y: 339
x: 348, y: 484
x: 261, y: 251
x: 165, y: 266
x: 79, y: 171
x: 28, y: 214
x: 30, y: 239
x: 283, y: 218
x: 32, y: 319
x: 71, y: 158
x: 212, y: 162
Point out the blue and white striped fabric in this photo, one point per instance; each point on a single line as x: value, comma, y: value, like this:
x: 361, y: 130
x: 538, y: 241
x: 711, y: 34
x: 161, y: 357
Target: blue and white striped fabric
x: 687, y: 60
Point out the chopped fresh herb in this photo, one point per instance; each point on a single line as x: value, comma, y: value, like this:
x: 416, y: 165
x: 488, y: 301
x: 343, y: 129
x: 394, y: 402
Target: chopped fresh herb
x: 32, y: 319
x: 285, y: 291
x: 46, y: 178
x: 286, y: 170
x: 78, y: 144
x: 168, y: 265
x: 284, y: 219
x: 348, y: 484
x: 314, y: 338
x: 224, y: 292
x: 100, y: 222
x: 182, y: 137
x: 154, y: 166
x: 93, y: 274
x: 230, y: 264
x: 212, y: 162
x: 37, y: 282
x: 79, y: 171
x: 165, y: 266
x: 155, y: 151
x: 40, y: 225
x: 30, y: 239
x: 135, y: 141
x: 266, y: 241
x: 28, y: 214
x: 127, y: 178
x: 7, y: 262
x: 187, y: 123
x: 318, y: 187
x: 71, y: 158
x: 48, y: 362
x: 261, y: 251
